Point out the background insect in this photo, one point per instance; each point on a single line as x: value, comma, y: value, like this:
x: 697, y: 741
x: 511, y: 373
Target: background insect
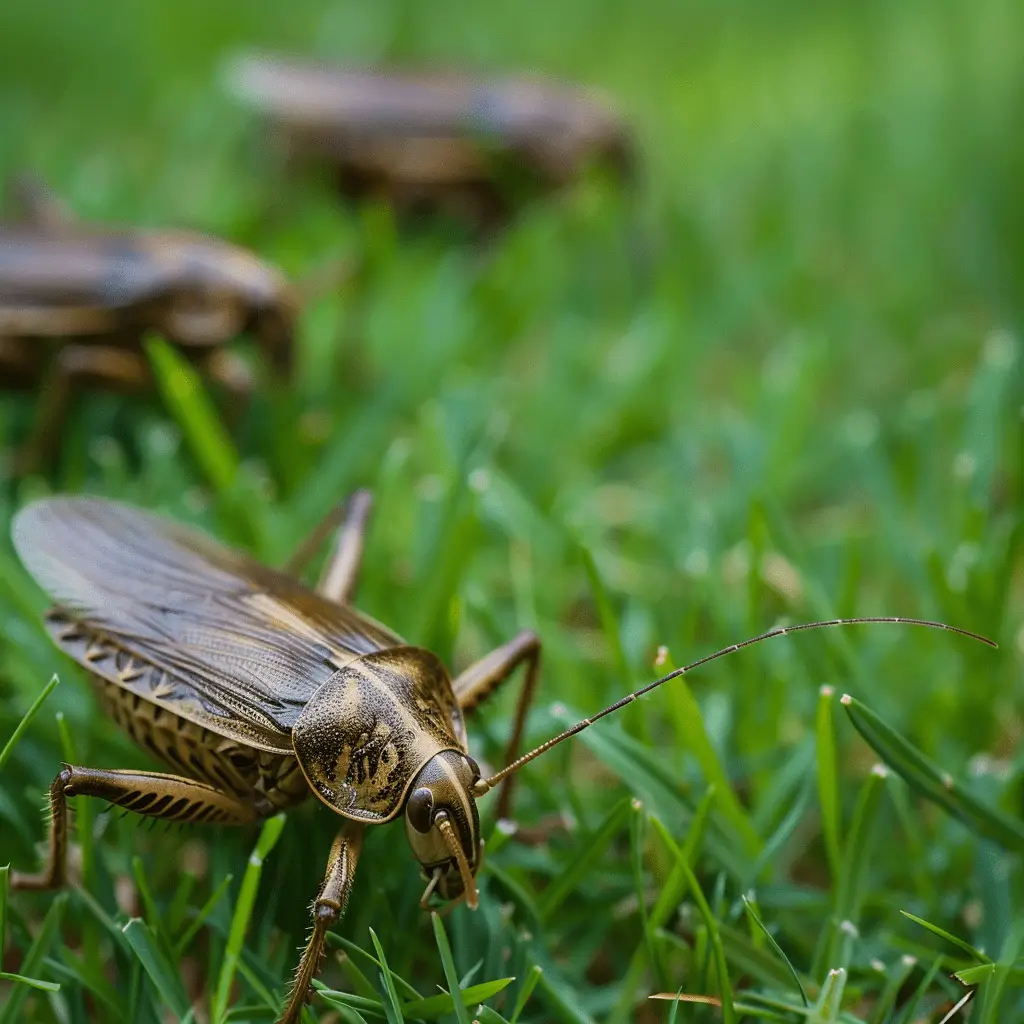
x: 431, y: 139
x: 76, y: 299
x: 256, y: 691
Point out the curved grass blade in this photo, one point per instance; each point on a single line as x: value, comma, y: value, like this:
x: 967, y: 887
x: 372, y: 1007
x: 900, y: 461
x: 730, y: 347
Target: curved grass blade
x: 749, y: 907
x: 966, y: 947
x: 26, y: 720
x: 358, y: 953
x: 930, y: 781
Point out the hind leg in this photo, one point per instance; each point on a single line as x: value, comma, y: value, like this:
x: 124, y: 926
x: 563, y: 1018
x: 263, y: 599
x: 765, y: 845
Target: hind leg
x: 153, y: 794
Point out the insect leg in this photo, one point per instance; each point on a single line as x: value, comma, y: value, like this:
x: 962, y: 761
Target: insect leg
x: 73, y: 369
x: 482, y: 678
x: 350, y: 518
x: 328, y: 907
x: 37, y: 204
x: 153, y: 794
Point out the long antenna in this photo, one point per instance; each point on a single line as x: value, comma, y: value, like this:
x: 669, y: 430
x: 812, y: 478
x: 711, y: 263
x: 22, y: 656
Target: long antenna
x: 483, y: 785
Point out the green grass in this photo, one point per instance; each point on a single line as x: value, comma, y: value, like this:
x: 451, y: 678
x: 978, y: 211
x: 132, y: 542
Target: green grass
x: 783, y: 380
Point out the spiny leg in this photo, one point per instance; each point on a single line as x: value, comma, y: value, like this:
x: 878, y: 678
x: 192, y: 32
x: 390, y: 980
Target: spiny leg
x: 483, y: 677
x: 339, y: 576
x: 153, y: 794
x: 328, y: 907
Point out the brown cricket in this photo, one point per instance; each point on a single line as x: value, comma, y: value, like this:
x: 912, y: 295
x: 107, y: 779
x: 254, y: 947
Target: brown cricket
x: 432, y: 139
x: 76, y: 300
x: 257, y: 691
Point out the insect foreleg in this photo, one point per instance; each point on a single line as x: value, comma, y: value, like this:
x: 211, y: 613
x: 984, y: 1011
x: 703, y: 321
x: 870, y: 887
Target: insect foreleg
x: 483, y: 677
x: 339, y: 577
x: 328, y: 907
x: 153, y: 794
x: 75, y: 369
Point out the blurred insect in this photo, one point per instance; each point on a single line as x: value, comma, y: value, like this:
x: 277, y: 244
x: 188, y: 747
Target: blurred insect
x: 76, y: 299
x: 469, y: 146
x: 256, y: 691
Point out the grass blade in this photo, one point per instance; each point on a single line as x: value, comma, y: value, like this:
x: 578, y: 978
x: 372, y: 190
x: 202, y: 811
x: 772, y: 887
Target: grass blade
x: 268, y: 837
x: 392, y: 1007
x: 930, y: 781
x: 695, y: 739
x: 966, y: 947
x: 34, y: 958
x: 758, y: 923
x: 161, y: 972
x: 570, y: 878
x: 718, y: 951
x: 26, y: 720
x: 186, y: 398
x: 828, y: 780
x: 894, y: 982
x: 200, y: 919
x: 444, y: 1003
x: 525, y: 991
x: 450, y: 974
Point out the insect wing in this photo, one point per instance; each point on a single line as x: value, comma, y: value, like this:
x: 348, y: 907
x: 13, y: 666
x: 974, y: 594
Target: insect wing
x: 238, y: 646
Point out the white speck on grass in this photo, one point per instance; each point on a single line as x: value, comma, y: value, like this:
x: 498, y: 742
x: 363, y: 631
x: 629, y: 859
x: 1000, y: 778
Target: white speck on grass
x: 480, y: 480
x: 849, y: 928
x: 877, y: 965
x: 880, y: 771
x: 826, y: 690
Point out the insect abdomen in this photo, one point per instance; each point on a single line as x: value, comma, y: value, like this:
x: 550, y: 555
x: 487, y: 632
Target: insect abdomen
x: 257, y: 776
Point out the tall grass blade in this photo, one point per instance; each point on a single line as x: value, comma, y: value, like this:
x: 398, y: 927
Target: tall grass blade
x: 930, y: 781
x: 268, y: 837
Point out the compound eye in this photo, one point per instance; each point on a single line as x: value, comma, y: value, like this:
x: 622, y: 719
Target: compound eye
x: 418, y: 809
x: 473, y: 767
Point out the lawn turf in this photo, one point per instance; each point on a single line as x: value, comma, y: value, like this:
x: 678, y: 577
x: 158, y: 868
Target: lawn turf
x: 781, y: 380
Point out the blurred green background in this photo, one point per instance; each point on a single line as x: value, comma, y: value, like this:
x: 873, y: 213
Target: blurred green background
x: 781, y: 378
